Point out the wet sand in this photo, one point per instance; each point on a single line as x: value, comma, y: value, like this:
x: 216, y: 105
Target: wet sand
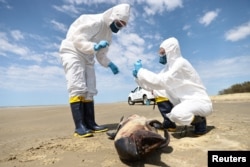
x: 43, y: 136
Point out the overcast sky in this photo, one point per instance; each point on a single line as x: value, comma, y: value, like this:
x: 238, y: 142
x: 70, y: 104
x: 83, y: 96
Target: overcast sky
x: 214, y: 36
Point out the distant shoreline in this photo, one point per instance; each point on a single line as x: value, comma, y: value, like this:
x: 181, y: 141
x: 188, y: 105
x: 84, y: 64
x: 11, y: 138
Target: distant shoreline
x: 35, y: 106
x: 54, y: 105
x: 244, y: 97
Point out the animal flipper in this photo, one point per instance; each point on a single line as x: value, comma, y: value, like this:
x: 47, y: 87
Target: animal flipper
x: 112, y: 133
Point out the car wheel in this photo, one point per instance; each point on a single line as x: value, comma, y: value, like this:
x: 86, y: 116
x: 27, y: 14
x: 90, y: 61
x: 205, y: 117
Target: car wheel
x: 130, y: 102
x: 145, y: 100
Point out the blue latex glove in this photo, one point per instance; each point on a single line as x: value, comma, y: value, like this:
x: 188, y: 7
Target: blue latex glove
x: 113, y: 67
x: 163, y: 59
x: 137, y: 67
x: 101, y: 44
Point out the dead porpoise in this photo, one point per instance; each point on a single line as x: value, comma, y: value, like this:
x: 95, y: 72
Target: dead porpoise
x: 137, y: 136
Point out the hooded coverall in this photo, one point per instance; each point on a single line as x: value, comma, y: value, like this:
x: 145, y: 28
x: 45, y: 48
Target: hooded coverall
x: 77, y: 54
x: 77, y: 50
x: 182, y: 84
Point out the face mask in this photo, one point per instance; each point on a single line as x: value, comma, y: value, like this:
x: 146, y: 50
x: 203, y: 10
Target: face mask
x: 163, y: 60
x: 114, y: 28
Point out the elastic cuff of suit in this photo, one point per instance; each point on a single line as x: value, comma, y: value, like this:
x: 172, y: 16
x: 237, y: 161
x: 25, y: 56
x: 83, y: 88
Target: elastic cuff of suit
x: 74, y: 99
x: 160, y: 99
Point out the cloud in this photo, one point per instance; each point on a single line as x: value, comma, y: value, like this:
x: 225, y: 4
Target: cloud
x: 126, y: 49
x: 68, y: 9
x: 7, y: 46
x: 151, y: 7
x: 10, y: 48
x: 17, y: 35
x: 91, y: 2
x: 131, y: 39
x: 238, y: 33
x: 159, y: 6
x: 187, y: 29
x: 74, y: 7
x: 59, y: 26
x: 30, y: 78
x: 221, y: 73
x: 225, y: 68
x: 129, y: 47
x: 5, y: 4
x: 209, y: 17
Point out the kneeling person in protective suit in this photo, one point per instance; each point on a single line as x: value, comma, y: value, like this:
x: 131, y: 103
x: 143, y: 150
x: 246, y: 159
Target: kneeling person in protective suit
x: 183, y: 86
x: 87, y: 38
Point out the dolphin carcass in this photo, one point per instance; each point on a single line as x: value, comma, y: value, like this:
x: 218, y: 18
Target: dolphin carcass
x: 137, y: 136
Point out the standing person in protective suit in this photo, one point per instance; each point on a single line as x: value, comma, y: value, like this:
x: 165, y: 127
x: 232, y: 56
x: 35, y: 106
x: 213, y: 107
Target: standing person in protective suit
x: 182, y: 84
x: 88, y: 37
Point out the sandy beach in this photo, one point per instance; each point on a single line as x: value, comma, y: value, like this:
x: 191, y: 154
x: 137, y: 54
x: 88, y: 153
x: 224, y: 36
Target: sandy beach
x: 43, y: 136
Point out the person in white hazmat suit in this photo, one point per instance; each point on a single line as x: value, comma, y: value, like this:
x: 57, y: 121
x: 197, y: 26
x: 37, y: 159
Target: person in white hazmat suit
x: 88, y: 37
x: 182, y: 84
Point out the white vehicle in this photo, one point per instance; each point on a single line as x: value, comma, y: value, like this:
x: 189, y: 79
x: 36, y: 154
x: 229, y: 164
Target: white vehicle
x: 140, y: 95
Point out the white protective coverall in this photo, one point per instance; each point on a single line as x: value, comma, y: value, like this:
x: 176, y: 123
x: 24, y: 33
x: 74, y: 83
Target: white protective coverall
x: 77, y: 50
x: 159, y: 93
x: 182, y: 84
